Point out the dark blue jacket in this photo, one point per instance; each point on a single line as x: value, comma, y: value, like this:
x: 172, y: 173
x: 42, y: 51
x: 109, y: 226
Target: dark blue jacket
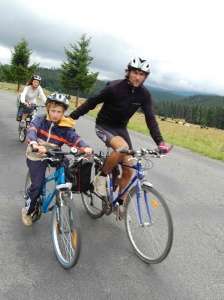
x: 41, y: 128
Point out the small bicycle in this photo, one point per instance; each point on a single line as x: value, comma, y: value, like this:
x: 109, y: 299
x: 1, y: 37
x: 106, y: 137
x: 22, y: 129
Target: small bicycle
x: 22, y: 130
x: 148, y: 221
x: 66, y: 234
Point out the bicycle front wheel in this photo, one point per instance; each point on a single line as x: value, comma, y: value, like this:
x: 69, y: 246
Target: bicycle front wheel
x: 149, y: 225
x: 66, y: 234
x: 22, y: 134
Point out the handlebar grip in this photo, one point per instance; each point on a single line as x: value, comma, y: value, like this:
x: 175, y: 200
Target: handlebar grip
x: 126, y: 151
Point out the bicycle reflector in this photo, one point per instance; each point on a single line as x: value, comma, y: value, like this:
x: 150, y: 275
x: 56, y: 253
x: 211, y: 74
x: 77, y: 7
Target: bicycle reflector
x: 154, y: 203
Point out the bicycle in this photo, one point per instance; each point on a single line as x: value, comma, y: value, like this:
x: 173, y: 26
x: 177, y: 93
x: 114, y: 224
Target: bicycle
x: 22, y: 130
x: 148, y: 220
x: 66, y: 235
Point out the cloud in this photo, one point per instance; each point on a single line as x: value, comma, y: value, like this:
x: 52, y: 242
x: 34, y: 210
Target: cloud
x: 185, y: 53
x: 48, y: 39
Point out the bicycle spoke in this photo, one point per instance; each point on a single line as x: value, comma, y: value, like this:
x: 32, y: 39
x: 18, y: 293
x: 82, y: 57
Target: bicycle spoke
x: 67, y: 240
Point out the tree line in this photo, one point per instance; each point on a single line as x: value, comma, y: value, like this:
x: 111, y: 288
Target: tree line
x: 201, y: 109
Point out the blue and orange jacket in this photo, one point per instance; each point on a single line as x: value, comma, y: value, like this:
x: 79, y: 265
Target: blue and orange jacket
x: 51, y: 135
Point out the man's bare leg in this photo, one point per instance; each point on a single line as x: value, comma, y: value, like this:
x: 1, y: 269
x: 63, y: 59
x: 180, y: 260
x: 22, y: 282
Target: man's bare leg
x: 116, y: 143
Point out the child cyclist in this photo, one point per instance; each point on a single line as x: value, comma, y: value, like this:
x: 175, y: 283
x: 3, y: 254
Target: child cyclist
x: 45, y: 133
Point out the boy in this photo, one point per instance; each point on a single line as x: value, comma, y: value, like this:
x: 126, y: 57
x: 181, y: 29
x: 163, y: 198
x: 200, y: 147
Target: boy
x: 45, y: 133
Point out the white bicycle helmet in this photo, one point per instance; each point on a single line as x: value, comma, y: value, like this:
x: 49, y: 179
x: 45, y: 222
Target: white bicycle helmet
x: 59, y: 98
x: 139, y: 64
x: 36, y: 77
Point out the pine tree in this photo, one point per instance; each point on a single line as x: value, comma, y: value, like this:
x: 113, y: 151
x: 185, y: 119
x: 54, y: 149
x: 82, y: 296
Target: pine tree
x: 76, y: 77
x: 20, y: 69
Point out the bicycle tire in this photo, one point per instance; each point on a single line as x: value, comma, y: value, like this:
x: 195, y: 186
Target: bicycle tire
x: 92, y: 204
x: 65, y: 221
x: 141, y: 241
x: 22, y: 134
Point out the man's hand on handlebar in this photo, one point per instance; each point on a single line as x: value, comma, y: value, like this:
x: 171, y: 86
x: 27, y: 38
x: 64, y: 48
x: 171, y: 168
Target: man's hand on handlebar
x: 164, y: 148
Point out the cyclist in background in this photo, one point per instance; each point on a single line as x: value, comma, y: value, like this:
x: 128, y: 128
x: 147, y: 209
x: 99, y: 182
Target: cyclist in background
x: 121, y: 99
x: 47, y: 132
x: 28, y: 98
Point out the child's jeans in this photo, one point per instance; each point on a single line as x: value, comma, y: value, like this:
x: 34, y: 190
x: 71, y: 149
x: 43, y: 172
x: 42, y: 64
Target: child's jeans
x: 37, y: 171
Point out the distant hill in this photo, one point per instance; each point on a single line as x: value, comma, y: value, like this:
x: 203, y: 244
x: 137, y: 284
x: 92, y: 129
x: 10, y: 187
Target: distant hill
x: 204, y: 100
x: 159, y: 94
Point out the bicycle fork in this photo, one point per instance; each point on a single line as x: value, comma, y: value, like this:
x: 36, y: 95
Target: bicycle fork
x: 139, y: 206
x: 61, y: 205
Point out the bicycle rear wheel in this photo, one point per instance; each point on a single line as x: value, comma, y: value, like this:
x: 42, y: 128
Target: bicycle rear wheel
x: 151, y: 240
x: 93, y: 204
x: 66, y: 234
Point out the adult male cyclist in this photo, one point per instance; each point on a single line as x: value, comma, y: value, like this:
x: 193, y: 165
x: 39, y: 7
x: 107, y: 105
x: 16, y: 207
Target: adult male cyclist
x: 121, y: 99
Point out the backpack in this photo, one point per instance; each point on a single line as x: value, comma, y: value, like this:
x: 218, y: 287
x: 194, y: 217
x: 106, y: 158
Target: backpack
x: 80, y: 175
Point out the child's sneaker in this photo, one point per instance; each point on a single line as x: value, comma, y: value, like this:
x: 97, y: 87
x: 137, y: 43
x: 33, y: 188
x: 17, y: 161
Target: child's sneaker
x: 26, y: 219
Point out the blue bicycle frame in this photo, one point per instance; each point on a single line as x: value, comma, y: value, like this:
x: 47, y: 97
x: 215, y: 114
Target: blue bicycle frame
x: 136, y: 180
x: 59, y: 178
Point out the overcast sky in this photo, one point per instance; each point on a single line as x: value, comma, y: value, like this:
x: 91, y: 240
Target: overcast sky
x: 183, y: 40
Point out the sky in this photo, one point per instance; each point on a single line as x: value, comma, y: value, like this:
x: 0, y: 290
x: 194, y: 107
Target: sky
x: 183, y: 40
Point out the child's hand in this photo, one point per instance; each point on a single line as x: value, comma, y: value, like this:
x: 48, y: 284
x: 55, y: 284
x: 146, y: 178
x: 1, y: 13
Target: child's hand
x: 88, y: 150
x: 41, y: 150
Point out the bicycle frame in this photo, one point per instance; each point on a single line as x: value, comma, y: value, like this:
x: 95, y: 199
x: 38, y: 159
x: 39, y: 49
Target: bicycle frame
x: 59, y: 178
x: 136, y: 180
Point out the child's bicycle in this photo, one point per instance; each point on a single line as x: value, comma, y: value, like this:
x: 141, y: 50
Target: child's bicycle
x: 66, y: 234
x: 147, y: 217
x: 22, y: 128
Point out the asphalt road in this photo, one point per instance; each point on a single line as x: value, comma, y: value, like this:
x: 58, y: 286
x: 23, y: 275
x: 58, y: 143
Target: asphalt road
x: 108, y: 268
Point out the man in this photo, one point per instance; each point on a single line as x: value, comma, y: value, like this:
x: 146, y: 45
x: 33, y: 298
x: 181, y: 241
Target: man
x: 121, y: 99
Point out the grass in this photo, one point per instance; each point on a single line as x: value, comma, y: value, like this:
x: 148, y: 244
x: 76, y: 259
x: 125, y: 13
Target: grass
x: 209, y: 142
x: 8, y: 86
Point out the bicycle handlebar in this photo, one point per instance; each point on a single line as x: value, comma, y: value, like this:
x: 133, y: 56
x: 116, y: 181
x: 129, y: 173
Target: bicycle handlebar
x: 141, y: 152
x: 58, y: 154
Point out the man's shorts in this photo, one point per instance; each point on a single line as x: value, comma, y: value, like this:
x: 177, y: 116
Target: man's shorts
x: 106, y: 133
